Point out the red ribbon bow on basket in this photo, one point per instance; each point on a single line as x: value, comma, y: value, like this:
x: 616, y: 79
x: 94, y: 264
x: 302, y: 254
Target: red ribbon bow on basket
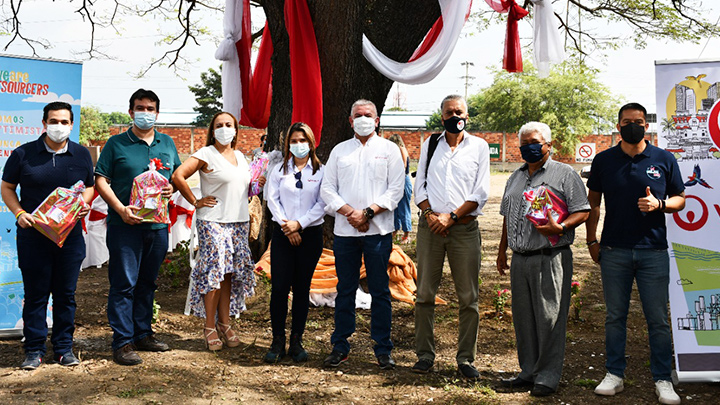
x: 158, y: 164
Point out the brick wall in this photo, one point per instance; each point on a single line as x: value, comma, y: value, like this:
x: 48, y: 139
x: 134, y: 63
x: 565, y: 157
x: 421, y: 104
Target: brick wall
x: 189, y: 139
x: 414, y: 139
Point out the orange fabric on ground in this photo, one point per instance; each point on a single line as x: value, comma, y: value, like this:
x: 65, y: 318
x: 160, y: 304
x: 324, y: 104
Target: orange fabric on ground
x: 401, y: 270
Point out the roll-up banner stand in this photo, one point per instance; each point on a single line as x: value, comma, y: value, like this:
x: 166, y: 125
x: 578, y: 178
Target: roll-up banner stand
x: 688, y: 112
x: 26, y: 86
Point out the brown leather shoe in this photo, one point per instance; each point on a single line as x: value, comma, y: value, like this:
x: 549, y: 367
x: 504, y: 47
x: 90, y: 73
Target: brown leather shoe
x: 150, y: 344
x: 126, y: 356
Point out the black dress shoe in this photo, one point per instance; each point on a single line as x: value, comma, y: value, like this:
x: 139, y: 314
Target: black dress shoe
x: 469, y: 371
x: 423, y: 366
x: 386, y: 362
x: 540, y: 390
x: 126, y: 356
x: 151, y: 344
x: 516, y: 382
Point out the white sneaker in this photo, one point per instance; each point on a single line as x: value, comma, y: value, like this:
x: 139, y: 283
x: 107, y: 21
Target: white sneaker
x: 610, y: 385
x: 665, y: 392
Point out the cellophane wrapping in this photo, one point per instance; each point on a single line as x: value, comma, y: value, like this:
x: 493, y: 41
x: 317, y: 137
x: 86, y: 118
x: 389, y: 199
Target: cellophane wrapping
x: 258, y: 167
x: 146, y: 194
x: 542, y: 202
x: 58, y: 213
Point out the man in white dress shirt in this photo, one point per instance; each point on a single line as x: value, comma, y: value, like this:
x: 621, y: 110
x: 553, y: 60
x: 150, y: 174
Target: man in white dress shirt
x: 451, y: 188
x: 364, y: 181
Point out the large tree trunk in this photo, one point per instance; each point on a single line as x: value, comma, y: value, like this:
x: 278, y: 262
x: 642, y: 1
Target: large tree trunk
x: 396, y: 27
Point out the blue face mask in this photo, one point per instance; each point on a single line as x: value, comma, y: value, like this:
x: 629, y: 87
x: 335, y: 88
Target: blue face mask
x: 300, y: 150
x: 144, y: 120
x: 532, y: 153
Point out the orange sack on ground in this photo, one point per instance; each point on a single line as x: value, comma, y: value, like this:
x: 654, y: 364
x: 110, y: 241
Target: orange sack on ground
x: 401, y: 270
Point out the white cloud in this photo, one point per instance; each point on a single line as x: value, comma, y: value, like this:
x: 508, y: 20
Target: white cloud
x: 50, y: 97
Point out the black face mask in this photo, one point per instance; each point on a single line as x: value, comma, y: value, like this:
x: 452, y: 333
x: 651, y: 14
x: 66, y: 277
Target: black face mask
x: 454, y: 124
x: 632, y: 133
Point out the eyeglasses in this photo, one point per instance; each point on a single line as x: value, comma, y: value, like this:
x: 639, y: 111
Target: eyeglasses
x: 298, y: 177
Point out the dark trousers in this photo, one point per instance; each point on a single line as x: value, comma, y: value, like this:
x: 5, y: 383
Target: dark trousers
x: 349, y: 254
x: 48, y: 269
x: 292, y: 267
x: 135, y: 258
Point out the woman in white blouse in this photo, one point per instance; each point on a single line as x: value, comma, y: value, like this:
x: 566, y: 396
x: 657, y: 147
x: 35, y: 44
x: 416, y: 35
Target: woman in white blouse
x: 293, y: 197
x: 223, y: 276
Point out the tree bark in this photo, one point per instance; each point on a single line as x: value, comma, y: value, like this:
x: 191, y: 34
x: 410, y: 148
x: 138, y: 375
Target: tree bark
x: 395, y: 27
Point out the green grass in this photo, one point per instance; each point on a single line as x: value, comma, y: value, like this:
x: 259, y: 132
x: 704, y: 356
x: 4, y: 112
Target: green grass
x: 135, y: 392
x: 586, y: 382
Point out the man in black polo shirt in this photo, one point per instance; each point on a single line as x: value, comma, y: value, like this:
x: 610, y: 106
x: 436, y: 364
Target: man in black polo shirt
x: 641, y: 183
x: 39, y: 167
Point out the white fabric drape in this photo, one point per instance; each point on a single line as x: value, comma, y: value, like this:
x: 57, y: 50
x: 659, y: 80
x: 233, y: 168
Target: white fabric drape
x: 547, y: 44
x: 226, y: 52
x: 428, y: 66
x: 96, y: 252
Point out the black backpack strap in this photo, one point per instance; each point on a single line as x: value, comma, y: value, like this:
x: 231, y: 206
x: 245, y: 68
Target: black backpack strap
x: 432, y: 145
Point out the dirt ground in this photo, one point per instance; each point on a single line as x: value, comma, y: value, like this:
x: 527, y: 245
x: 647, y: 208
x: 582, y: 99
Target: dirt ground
x: 190, y: 374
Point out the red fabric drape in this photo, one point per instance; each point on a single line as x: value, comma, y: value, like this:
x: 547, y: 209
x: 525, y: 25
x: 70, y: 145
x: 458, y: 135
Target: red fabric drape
x: 256, y: 86
x: 175, y: 210
x: 305, y: 67
x: 429, y: 40
x: 512, y: 59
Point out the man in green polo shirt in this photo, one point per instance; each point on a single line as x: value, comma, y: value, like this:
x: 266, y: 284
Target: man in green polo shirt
x: 136, y: 249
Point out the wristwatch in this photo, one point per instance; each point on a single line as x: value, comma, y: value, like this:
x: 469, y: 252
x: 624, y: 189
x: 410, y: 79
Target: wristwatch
x: 453, y: 216
x: 564, y: 229
x: 369, y: 213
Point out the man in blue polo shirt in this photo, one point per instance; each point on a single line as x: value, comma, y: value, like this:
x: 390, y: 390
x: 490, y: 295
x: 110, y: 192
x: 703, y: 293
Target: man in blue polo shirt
x: 641, y: 183
x: 136, y: 249
x: 39, y: 167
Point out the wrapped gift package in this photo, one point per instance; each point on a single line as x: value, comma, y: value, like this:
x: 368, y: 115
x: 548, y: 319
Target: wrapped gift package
x: 542, y: 203
x: 258, y: 167
x: 146, y: 194
x: 57, y: 215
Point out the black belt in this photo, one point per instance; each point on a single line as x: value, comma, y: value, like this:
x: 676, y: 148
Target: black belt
x: 543, y: 251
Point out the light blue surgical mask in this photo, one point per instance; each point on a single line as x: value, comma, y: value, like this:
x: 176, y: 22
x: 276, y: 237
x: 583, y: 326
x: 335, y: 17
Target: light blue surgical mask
x: 300, y: 150
x: 144, y: 119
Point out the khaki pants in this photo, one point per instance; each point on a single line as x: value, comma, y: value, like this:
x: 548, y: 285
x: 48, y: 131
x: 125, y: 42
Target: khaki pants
x: 462, y: 246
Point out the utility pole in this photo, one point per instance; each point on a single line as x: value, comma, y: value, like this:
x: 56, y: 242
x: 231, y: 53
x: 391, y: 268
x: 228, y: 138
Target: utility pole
x: 467, y: 76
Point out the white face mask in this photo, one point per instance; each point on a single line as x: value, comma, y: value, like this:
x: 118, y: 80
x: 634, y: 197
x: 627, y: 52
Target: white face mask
x: 224, y: 135
x: 364, y: 126
x: 58, y: 133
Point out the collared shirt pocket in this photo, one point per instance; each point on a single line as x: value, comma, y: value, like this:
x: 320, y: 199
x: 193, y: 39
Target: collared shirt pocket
x: 379, y: 168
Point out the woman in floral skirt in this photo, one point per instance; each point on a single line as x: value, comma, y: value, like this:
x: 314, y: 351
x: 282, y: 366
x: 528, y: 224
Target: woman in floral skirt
x: 223, y: 276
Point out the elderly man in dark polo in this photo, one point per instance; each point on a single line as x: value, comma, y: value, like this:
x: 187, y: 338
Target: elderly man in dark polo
x: 540, y: 272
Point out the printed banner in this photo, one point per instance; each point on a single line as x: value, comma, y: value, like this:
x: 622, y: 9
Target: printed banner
x: 688, y: 112
x: 26, y: 86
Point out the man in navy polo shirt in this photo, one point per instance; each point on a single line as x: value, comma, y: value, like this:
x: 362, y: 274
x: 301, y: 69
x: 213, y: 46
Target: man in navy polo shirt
x: 136, y: 249
x: 641, y: 183
x: 39, y: 167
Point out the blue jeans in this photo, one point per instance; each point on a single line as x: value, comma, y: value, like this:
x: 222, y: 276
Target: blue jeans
x: 349, y: 251
x: 135, y: 258
x: 402, y: 214
x: 650, y: 269
x: 48, y: 269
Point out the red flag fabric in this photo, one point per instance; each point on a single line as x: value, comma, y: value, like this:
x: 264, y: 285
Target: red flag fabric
x: 512, y: 59
x: 256, y: 86
x: 305, y: 67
